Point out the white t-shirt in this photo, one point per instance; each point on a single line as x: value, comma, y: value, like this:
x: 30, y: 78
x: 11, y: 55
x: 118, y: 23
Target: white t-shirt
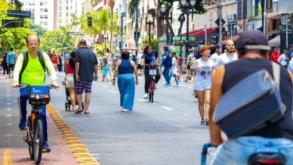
x: 173, y: 69
x: 139, y: 58
x: 224, y: 59
x: 214, y: 57
x: 290, y: 65
x: 282, y: 59
x: 204, y: 74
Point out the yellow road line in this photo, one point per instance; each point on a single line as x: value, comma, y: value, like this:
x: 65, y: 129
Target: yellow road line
x: 80, y: 152
x: 7, y: 156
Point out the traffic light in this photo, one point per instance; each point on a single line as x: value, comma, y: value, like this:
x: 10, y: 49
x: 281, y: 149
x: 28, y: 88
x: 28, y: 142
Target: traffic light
x: 89, y: 21
x: 260, y: 29
x: 215, y: 39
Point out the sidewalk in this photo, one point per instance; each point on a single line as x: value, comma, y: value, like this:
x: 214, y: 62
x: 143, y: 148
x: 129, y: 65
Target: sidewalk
x: 13, y: 150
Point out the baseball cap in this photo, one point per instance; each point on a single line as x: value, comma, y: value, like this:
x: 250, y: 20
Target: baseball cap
x: 252, y: 40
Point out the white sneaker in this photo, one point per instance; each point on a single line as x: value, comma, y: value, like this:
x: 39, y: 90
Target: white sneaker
x: 145, y: 96
x: 125, y: 110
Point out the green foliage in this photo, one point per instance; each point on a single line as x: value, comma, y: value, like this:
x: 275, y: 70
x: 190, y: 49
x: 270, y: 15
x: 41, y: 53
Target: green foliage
x: 39, y: 30
x: 153, y: 43
x: 58, y: 40
x: 132, y: 7
x: 12, y: 37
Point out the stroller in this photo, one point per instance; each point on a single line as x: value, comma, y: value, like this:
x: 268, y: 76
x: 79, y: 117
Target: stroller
x: 68, y: 101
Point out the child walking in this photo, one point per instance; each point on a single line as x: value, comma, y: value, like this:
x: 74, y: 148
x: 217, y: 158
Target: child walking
x: 105, y: 68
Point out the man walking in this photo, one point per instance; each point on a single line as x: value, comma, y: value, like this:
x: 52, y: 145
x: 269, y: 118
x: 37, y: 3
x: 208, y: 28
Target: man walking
x: 167, y: 63
x: 86, y: 70
x: 10, y: 60
x: 227, y: 57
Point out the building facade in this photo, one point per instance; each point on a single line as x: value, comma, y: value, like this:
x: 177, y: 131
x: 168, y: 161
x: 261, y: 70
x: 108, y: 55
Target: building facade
x: 42, y: 12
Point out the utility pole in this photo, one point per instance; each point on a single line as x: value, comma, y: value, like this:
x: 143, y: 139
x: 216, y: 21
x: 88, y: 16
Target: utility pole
x: 264, y: 13
x: 220, y: 25
x: 136, y: 31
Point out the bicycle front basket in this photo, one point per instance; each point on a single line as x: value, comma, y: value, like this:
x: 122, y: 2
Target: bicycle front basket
x: 38, y: 95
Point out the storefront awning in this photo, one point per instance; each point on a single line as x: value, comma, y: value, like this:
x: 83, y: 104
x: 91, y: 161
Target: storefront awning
x: 275, y: 41
x: 278, y: 14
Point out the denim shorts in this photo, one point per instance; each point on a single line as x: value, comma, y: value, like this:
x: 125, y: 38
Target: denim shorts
x: 237, y: 151
x: 80, y: 86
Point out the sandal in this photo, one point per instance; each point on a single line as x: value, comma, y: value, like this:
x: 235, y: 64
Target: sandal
x: 78, y: 111
x: 86, y: 112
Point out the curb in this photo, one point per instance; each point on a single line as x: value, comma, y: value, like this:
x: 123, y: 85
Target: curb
x: 78, y: 149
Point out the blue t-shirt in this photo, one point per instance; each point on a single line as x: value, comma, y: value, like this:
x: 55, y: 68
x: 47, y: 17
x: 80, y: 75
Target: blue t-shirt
x: 197, y: 55
x: 150, y: 59
x: 10, y: 59
x: 66, y: 57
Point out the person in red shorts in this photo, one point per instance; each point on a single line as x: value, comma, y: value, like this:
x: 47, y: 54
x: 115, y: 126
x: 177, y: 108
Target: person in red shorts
x: 54, y: 60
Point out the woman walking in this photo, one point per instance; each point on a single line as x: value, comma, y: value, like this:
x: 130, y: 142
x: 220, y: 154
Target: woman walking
x: 125, y: 68
x: 203, y: 68
x: 69, y: 80
x: 174, y: 68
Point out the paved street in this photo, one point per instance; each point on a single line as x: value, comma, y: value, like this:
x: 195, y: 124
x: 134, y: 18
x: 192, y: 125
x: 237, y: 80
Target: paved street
x: 165, y: 132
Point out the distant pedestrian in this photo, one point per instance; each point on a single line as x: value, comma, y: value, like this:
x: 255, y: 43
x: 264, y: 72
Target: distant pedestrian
x: 126, y: 70
x: 228, y: 56
x: 4, y: 64
x: 69, y: 80
x: 10, y: 60
x: 174, y: 68
x: 283, y: 59
x: 105, y: 69
x: 167, y: 63
x: 86, y: 70
x: 54, y: 60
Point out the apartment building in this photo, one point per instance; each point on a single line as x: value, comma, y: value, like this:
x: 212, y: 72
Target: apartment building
x: 42, y: 12
x: 63, y: 10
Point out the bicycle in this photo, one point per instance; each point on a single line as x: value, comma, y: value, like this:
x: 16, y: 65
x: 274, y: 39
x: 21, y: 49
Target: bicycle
x: 258, y: 158
x: 153, y: 73
x: 37, y: 96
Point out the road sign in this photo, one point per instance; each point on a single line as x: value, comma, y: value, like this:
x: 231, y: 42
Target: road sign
x: 232, y: 19
x: 218, y: 22
x: 75, y: 33
x: 12, y: 23
x: 17, y: 13
x: 136, y: 35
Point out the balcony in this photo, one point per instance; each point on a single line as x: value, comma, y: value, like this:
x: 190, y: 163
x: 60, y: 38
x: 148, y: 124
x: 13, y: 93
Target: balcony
x: 98, y: 5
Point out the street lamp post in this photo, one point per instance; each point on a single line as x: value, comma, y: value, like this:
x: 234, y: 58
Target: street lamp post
x: 136, y: 31
x: 167, y: 17
x: 149, y: 23
x: 105, y: 38
x: 205, y: 35
x: 187, y: 5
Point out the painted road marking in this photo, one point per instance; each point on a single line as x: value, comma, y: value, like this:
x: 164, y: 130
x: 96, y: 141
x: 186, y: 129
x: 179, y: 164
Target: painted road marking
x: 8, y: 115
x: 8, y: 134
x: 185, y: 114
x: 8, y: 109
x: 167, y: 108
x: 105, y: 86
x: 141, y: 100
x: 113, y: 91
x: 7, y: 156
x: 9, y: 124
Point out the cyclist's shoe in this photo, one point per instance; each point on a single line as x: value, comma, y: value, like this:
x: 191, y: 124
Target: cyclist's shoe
x: 46, y: 147
x: 22, y: 124
x: 145, y: 96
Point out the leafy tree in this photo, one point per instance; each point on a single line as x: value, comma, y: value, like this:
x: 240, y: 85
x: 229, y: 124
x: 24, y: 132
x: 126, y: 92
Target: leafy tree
x: 12, y: 37
x: 39, y: 30
x: 58, y: 40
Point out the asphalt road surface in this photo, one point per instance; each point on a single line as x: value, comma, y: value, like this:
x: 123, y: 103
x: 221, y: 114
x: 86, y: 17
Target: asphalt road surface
x: 164, y: 132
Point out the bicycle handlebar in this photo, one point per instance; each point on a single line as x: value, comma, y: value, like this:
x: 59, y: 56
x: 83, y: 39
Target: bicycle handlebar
x: 50, y: 86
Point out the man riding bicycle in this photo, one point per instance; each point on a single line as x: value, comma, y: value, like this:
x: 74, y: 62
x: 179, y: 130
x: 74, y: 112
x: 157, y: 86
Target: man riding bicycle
x: 33, y: 74
x: 149, y: 58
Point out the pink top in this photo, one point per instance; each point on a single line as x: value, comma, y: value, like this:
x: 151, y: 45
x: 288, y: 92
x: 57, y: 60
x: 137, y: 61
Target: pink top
x: 69, y: 69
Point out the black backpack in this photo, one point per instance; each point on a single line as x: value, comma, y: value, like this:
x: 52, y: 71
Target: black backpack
x: 25, y: 62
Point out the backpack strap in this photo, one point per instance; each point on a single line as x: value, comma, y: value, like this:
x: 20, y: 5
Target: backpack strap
x: 276, y: 74
x: 24, y: 64
x: 41, y: 59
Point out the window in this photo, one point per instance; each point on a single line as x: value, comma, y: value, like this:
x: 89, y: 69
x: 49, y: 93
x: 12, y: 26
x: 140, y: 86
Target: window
x: 41, y: 3
x: 66, y: 7
x: 269, y: 4
x: 60, y: 8
x: 59, y: 20
x: 41, y: 9
x: 41, y: 16
x: 41, y: 22
x: 66, y: 14
x: 241, y: 9
x: 45, y: 16
x: 45, y: 23
x: 59, y: 14
x: 45, y: 10
x: 66, y: 20
x: 33, y: 10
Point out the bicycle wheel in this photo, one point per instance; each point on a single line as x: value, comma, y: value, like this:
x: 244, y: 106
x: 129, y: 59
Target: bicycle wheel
x: 29, y: 139
x: 38, y: 141
x: 151, y: 91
